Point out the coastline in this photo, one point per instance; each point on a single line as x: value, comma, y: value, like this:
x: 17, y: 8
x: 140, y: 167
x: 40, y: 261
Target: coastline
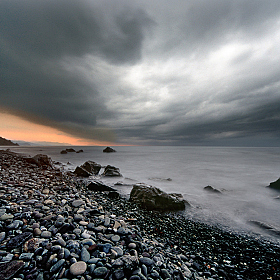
x: 37, y: 202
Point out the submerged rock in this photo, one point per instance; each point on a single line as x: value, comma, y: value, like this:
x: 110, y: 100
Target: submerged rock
x: 153, y: 198
x: 275, y: 185
x: 211, y: 189
x: 109, y: 150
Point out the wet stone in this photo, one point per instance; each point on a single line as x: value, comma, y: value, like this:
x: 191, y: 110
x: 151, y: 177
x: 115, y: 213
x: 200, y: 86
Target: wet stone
x: 60, y: 242
x: 105, y: 247
x: 57, y: 266
x: 46, y: 234
x: 78, y: 217
x: 37, y: 232
x: 107, y: 221
x: 100, y: 272
x: 123, y: 231
x: 2, y: 236
x: 118, y: 250
x: 119, y: 274
x: 8, y: 258
x: 18, y: 240
x: 78, y: 268
x: 88, y: 242
x: 85, y: 256
x: 15, y: 224
x: 85, y: 235
x: 134, y: 277
x: 115, y: 238
x: 6, y: 217
x: 77, y: 203
x: 7, y: 270
x: 146, y: 261
x: 26, y: 256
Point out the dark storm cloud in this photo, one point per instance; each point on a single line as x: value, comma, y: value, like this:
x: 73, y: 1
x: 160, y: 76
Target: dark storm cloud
x: 35, y: 37
x: 167, y: 72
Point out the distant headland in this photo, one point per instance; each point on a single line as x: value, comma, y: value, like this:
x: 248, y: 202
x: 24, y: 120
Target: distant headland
x: 5, y: 142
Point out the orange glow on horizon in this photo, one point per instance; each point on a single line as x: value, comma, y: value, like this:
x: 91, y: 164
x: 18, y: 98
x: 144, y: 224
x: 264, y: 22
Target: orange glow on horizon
x: 15, y: 128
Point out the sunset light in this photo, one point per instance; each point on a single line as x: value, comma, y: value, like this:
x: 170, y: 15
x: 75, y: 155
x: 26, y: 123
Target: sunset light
x: 16, y: 128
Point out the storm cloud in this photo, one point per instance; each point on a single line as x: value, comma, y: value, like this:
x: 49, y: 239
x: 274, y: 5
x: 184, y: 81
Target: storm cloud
x: 145, y: 72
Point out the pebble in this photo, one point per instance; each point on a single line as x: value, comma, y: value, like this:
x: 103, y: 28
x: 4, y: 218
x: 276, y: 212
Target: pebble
x: 85, y: 255
x: 6, y: 217
x: 78, y: 268
x: 100, y: 272
x: 115, y: 238
x: 46, y: 234
x: 146, y: 261
x: 57, y: 266
x: 77, y: 203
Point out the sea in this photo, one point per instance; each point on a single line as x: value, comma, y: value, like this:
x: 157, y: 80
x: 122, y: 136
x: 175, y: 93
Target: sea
x: 245, y: 205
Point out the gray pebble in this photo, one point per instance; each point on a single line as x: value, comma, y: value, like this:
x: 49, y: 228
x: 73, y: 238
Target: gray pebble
x: 85, y: 255
x: 46, y: 234
x: 100, y: 271
x: 57, y: 266
x: 146, y: 261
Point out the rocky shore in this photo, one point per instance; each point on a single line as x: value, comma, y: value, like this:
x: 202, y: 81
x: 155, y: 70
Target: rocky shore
x: 53, y: 227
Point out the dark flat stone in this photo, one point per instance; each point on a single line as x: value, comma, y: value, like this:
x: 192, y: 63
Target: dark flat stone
x: 7, y: 270
x: 18, y: 240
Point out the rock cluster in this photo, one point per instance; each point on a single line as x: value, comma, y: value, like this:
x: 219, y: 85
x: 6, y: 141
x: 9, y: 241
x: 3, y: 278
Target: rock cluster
x: 90, y: 168
x: 71, y: 150
x: 52, y: 226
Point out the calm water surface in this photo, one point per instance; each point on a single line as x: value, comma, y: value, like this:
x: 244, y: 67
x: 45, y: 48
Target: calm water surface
x: 241, y: 174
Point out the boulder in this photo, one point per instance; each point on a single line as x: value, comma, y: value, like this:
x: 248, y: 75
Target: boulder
x: 111, y: 171
x: 211, y: 189
x: 70, y: 150
x: 92, y: 167
x: 41, y: 161
x: 81, y: 172
x: 109, y: 150
x: 99, y: 187
x: 275, y: 184
x: 152, y: 198
x: 80, y: 151
x: 63, y: 152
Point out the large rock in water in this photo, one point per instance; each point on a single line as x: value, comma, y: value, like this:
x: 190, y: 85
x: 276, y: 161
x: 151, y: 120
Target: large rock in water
x: 111, y: 171
x: 275, y: 185
x: 87, y: 169
x: 211, y: 189
x: 152, y: 198
x: 109, y: 150
x: 91, y: 167
x: 81, y: 172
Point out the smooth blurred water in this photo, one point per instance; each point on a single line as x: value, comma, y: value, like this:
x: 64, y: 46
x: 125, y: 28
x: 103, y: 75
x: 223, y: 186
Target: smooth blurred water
x: 241, y: 174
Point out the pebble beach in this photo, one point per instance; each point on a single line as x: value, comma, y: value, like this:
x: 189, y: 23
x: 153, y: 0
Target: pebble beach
x: 53, y: 227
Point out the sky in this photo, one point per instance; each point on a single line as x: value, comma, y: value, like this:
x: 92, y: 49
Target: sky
x: 140, y: 72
